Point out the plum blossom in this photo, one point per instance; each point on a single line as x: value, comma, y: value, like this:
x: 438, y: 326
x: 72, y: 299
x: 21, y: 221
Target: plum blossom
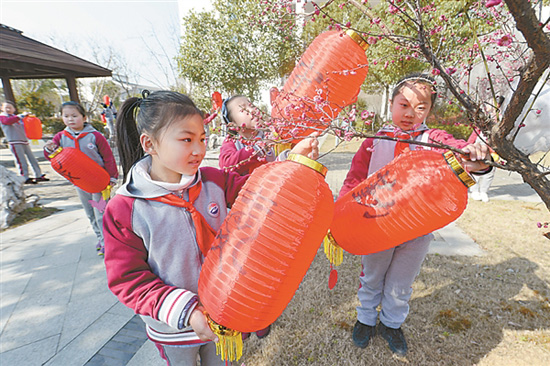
x: 491, y: 3
x: 505, y: 40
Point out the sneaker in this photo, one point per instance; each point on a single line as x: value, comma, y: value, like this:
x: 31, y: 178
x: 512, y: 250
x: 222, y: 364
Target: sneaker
x: 98, y: 246
x: 42, y: 178
x: 101, y: 251
x: 245, y: 335
x: 476, y: 196
x: 395, y: 339
x: 362, y: 334
x: 30, y: 181
x: 264, y: 332
x: 484, y: 197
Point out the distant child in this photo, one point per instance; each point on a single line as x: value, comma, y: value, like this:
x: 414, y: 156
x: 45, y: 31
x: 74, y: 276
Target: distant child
x: 81, y: 135
x: 243, y: 154
x: 387, y: 277
x: 14, y: 130
x: 161, y: 223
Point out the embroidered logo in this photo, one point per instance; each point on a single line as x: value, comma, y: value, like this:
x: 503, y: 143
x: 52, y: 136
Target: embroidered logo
x: 91, y: 146
x: 213, y: 209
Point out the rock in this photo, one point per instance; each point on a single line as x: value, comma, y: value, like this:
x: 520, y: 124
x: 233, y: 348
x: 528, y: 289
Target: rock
x: 13, y: 199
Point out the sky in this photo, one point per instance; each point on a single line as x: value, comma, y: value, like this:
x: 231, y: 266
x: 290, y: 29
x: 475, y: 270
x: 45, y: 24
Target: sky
x: 143, y: 33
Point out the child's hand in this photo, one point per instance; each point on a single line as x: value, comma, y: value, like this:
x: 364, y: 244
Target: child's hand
x: 476, y: 154
x: 308, y: 147
x: 50, y: 146
x: 198, y: 322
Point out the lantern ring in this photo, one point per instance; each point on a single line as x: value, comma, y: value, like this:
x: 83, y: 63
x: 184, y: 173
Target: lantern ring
x: 57, y: 151
x: 219, y: 329
x: 310, y: 163
x: 358, y: 39
x: 458, y: 169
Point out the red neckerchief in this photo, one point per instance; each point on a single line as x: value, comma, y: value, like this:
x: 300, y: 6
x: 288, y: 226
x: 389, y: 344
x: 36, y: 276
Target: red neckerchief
x: 205, y: 233
x: 401, y: 146
x: 76, y: 144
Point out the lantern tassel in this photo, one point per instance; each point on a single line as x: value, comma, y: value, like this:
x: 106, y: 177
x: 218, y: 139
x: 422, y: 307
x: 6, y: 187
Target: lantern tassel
x: 334, y: 252
x: 230, y: 342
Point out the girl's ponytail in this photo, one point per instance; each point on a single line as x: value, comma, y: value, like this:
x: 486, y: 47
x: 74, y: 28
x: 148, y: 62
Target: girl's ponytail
x: 127, y: 137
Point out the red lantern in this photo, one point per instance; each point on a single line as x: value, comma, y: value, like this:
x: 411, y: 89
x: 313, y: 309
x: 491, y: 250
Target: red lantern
x: 418, y: 192
x: 79, y: 169
x: 106, y: 100
x: 327, y: 78
x: 265, y: 247
x: 33, y: 127
x: 216, y: 101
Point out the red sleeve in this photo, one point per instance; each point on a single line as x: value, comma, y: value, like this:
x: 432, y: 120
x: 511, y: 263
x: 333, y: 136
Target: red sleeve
x: 107, y: 154
x: 9, y: 120
x: 129, y: 276
x: 359, y: 169
x: 446, y: 138
x: 230, y: 156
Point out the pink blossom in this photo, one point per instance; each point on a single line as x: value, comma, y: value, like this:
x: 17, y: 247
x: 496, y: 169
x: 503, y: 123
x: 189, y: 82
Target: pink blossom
x: 491, y: 3
x: 538, y: 111
x: 436, y: 72
x: 372, y: 40
x: 505, y: 41
x: 392, y: 9
x: 450, y: 70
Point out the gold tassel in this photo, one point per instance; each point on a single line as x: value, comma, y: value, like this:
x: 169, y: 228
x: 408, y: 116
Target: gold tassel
x: 230, y: 342
x: 106, y: 193
x: 334, y: 253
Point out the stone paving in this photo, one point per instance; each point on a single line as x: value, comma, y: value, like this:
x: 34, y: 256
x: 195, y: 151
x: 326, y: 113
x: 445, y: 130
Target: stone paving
x: 55, y: 306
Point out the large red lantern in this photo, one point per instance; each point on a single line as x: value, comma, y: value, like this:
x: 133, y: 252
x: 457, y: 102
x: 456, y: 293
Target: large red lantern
x: 79, y: 169
x: 264, y: 248
x: 33, y: 127
x: 327, y: 78
x: 418, y: 192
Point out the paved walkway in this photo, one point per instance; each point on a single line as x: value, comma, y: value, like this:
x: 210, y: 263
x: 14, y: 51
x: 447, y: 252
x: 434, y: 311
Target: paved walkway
x: 55, y: 305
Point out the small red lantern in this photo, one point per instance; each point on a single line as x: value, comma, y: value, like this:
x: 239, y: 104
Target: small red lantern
x: 418, y: 192
x: 216, y: 101
x: 327, y: 78
x: 33, y: 127
x: 106, y: 100
x: 79, y: 169
x: 264, y: 248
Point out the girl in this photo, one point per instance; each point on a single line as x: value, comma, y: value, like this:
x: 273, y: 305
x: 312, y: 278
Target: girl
x: 162, y: 221
x: 387, y: 276
x: 14, y: 130
x: 243, y: 154
x: 91, y: 142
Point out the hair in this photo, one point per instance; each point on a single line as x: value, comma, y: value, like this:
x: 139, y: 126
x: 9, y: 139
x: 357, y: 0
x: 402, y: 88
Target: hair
x: 150, y: 114
x: 74, y: 104
x: 416, y: 78
x: 12, y: 104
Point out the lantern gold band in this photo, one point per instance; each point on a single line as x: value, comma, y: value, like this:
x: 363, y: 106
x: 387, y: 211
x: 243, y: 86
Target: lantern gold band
x: 57, y: 151
x: 458, y: 169
x: 358, y: 39
x: 318, y: 167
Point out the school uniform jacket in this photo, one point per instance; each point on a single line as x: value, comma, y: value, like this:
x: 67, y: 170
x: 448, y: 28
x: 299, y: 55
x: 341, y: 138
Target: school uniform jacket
x: 92, y: 143
x: 151, y: 253
x: 375, y: 153
x: 14, y: 129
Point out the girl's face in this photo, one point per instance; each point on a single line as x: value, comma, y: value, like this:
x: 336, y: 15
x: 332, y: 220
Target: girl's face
x: 179, y: 149
x: 72, y: 118
x: 245, y: 115
x: 8, y: 108
x: 411, y: 106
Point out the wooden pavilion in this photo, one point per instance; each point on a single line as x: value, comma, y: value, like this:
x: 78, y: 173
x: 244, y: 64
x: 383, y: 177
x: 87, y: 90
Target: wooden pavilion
x: 24, y: 58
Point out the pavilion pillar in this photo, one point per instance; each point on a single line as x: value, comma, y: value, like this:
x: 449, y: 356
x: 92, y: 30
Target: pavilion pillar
x: 73, y: 91
x: 8, y: 91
